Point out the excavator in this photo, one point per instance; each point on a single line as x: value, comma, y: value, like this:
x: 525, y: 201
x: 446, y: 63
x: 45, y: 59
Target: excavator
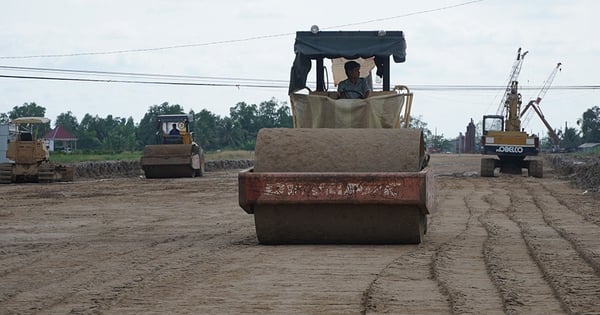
x: 176, y: 154
x: 351, y: 171
x: 503, y: 134
x: 30, y: 156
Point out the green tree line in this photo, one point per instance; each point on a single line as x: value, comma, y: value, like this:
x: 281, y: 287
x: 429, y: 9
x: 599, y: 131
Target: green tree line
x: 211, y: 131
x: 237, y: 130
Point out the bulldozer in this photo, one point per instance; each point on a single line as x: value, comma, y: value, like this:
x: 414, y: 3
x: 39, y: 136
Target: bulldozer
x: 350, y: 171
x: 30, y: 156
x: 176, y: 154
x: 503, y: 137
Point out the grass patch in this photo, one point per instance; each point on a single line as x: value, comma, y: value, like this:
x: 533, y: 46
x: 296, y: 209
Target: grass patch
x: 229, y: 155
x: 60, y: 157
x: 75, y: 157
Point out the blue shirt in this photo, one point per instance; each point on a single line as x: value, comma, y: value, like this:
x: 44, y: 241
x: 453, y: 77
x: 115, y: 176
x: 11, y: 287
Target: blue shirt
x: 351, y: 90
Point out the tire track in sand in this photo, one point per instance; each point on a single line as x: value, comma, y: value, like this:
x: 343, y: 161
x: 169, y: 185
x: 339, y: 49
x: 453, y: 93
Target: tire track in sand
x: 569, y: 223
x: 447, y: 273
x: 516, y: 275
x: 572, y: 278
x: 459, y: 264
x: 408, y: 284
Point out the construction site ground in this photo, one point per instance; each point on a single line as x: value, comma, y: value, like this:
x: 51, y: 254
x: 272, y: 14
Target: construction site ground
x: 130, y: 245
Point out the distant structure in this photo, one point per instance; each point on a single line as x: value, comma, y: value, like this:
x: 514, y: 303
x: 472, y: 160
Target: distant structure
x: 59, y: 139
x: 459, y: 143
x: 470, y: 138
x: 466, y: 143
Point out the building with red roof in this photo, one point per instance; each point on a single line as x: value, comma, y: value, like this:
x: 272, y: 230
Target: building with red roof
x: 59, y: 139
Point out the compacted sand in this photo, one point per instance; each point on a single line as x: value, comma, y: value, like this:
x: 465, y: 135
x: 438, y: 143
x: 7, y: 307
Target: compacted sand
x: 509, y: 244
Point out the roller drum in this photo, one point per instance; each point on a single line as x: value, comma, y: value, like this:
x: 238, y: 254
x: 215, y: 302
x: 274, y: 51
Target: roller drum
x: 339, y: 150
x: 168, y: 161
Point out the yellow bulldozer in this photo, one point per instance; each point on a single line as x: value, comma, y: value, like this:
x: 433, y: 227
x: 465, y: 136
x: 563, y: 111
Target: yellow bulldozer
x: 30, y: 158
x: 350, y: 171
x: 176, y: 154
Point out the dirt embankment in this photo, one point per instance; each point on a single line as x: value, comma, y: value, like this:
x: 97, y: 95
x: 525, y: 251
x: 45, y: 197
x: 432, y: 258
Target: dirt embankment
x: 583, y: 172
x: 111, y: 169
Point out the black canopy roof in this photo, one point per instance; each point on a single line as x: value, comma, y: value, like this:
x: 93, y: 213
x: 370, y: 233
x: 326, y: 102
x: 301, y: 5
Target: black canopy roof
x: 348, y: 44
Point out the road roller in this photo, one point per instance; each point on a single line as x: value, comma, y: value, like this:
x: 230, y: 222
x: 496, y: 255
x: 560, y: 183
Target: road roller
x: 176, y: 155
x: 351, y: 171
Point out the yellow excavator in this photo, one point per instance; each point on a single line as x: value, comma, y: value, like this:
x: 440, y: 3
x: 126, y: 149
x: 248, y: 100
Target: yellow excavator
x: 176, y: 154
x: 350, y: 171
x: 30, y: 156
x: 504, y: 137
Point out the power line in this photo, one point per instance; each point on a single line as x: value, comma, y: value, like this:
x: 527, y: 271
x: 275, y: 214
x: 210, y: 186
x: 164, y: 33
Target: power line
x: 122, y: 51
x: 407, y: 14
x: 134, y: 74
x: 141, y: 82
x: 430, y: 87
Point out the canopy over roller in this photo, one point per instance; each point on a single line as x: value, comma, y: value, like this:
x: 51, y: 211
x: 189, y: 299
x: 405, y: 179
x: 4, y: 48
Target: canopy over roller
x: 350, y: 45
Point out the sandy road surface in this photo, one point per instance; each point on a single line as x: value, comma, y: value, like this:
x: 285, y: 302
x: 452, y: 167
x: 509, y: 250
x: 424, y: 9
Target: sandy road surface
x: 509, y: 244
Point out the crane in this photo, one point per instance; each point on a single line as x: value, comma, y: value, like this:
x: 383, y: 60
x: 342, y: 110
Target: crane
x: 535, y: 104
x: 512, y: 78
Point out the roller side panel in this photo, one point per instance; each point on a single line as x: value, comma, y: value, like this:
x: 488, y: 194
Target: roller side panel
x: 402, y: 188
x: 338, y: 208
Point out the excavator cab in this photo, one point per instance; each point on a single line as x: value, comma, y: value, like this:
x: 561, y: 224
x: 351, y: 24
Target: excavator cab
x: 492, y: 123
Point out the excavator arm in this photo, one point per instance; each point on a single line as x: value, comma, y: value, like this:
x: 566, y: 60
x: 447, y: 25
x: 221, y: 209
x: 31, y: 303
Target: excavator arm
x: 535, y: 104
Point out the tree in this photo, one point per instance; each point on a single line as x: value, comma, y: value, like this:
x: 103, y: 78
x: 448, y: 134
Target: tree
x: 284, y: 118
x: 267, y: 114
x: 205, y: 128
x: 245, y: 124
x: 590, y: 125
x: 569, y: 138
x: 228, y: 135
x: 417, y: 122
x: 440, y: 144
x: 30, y: 110
x: 128, y: 132
x: 27, y: 110
x: 67, y: 121
x: 271, y: 114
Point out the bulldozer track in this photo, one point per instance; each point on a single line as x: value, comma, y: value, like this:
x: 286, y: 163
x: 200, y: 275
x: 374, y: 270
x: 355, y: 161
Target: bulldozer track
x: 5, y: 173
x: 503, y: 245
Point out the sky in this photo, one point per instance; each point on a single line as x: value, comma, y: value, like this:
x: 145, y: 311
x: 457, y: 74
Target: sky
x: 241, y: 42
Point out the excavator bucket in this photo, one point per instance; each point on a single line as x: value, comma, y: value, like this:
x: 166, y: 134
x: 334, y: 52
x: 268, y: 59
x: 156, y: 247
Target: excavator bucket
x: 341, y: 186
x: 171, y: 160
